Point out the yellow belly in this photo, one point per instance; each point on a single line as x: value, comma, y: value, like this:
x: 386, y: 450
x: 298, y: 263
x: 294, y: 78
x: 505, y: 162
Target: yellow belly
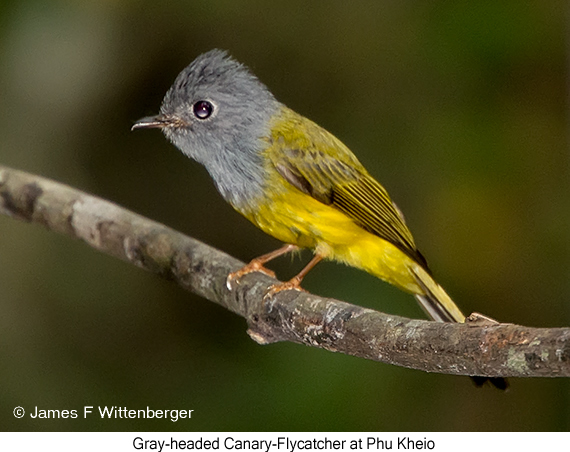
x: 294, y: 217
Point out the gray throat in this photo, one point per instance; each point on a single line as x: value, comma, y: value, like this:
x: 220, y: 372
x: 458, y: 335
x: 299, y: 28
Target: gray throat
x: 238, y: 176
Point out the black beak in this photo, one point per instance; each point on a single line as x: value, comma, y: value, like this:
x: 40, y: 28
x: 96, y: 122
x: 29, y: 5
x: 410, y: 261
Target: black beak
x: 152, y: 122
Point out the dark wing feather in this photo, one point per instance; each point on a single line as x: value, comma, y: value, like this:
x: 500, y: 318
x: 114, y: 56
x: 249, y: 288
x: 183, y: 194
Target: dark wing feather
x: 347, y: 186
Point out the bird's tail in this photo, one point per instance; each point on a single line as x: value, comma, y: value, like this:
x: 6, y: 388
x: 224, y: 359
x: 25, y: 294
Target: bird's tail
x: 434, y: 301
x: 440, y: 307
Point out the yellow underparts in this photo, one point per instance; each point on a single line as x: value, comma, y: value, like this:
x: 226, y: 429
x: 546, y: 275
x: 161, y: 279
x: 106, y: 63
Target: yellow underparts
x: 294, y: 217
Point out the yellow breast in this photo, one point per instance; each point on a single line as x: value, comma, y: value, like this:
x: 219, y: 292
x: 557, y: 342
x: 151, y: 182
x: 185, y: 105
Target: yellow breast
x: 294, y: 217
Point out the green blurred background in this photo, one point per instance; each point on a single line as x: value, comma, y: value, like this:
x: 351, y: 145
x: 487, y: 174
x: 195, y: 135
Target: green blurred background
x: 459, y: 109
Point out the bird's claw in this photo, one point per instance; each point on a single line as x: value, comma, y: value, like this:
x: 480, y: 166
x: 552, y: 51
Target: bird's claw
x: 276, y: 288
x: 253, y: 266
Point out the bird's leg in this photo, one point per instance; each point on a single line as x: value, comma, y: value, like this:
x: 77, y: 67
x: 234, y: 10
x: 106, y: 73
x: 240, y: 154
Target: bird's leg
x: 256, y: 265
x: 295, y: 282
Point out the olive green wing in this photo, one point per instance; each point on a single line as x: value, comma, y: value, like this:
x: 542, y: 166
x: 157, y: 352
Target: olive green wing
x: 342, y: 182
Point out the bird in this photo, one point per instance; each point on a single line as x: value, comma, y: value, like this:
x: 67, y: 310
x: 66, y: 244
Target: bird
x: 294, y: 180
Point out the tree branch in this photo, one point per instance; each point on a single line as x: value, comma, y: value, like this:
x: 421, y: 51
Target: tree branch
x: 494, y: 350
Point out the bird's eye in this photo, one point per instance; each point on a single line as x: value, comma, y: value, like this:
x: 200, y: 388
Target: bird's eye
x: 203, y: 109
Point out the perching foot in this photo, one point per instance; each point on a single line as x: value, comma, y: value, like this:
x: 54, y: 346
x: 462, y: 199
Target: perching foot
x: 253, y: 266
x: 292, y: 284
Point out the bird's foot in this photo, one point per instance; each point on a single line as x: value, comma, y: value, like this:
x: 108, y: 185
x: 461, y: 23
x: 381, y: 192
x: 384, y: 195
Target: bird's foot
x: 253, y: 266
x: 292, y: 284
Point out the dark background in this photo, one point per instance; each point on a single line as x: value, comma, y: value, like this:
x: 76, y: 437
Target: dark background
x: 459, y: 109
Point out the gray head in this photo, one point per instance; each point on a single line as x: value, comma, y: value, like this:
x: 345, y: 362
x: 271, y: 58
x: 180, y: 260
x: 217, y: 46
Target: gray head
x: 217, y: 112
